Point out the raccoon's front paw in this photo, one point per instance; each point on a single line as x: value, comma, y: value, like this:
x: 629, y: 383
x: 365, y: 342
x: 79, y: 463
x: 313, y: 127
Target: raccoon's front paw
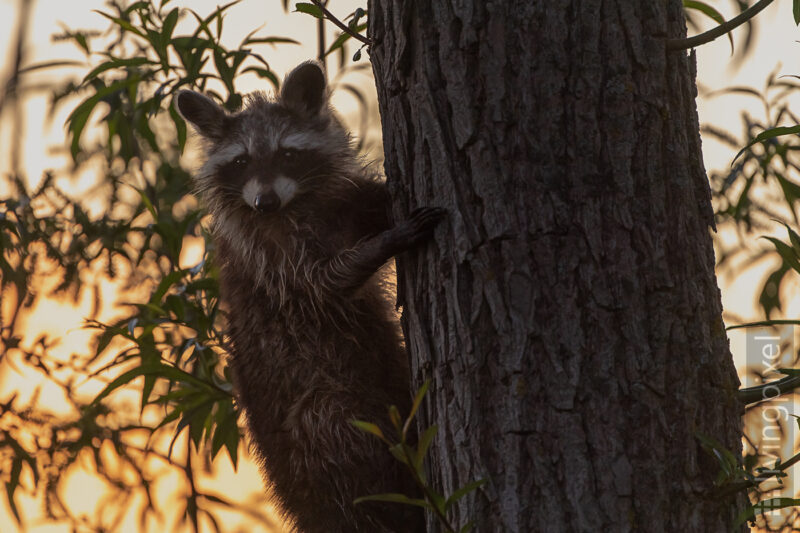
x: 417, y: 229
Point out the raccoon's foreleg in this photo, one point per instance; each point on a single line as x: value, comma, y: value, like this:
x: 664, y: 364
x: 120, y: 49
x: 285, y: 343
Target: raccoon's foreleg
x: 351, y: 268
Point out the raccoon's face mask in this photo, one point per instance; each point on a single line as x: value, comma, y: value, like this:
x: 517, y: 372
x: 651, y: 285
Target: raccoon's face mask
x: 271, y: 149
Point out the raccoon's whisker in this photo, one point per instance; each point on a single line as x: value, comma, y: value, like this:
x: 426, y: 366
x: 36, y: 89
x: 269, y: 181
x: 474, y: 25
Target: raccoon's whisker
x: 348, y: 180
x: 309, y: 171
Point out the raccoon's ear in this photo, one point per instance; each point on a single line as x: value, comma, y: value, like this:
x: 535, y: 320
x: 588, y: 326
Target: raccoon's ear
x: 208, y: 117
x: 305, y: 89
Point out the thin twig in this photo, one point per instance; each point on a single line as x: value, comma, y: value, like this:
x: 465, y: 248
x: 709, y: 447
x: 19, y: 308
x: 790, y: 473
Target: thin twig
x: 342, y: 26
x: 722, y: 29
x: 321, y: 57
x: 431, y: 497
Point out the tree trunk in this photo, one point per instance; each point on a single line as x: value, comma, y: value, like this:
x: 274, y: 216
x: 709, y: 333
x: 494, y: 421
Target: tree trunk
x: 567, y: 311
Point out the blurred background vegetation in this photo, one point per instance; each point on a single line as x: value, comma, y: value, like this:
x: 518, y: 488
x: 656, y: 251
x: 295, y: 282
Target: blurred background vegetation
x: 149, y: 398
x: 116, y: 409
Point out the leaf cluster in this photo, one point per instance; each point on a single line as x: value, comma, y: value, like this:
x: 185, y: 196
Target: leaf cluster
x: 413, y: 458
x: 166, y: 342
x: 761, y: 185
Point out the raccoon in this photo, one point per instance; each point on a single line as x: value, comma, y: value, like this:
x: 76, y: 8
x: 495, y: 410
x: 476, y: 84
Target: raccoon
x: 301, y: 230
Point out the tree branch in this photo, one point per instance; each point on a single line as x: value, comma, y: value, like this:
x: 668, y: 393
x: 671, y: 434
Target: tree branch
x: 341, y: 25
x: 766, y: 391
x: 722, y: 29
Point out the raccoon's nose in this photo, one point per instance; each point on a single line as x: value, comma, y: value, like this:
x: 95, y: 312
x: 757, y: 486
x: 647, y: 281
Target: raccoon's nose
x: 267, y: 202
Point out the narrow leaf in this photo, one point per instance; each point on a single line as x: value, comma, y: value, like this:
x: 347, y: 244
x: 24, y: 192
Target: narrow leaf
x: 794, y: 238
x: 310, y: 9
x: 369, y: 428
x: 394, y: 497
x: 786, y: 252
x: 463, y: 491
x: 343, y: 37
x: 424, y: 443
x: 710, y: 12
x: 765, y: 506
x: 769, y: 134
x: 169, y: 25
x: 270, y: 40
x: 50, y: 64
x: 415, y: 406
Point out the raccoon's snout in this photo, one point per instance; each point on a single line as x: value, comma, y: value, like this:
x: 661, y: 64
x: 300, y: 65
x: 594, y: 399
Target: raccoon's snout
x: 267, y: 202
x: 266, y: 197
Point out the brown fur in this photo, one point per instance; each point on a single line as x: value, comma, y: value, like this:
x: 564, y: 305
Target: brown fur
x: 314, y: 342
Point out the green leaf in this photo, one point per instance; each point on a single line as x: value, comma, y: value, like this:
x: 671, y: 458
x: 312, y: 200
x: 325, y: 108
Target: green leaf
x: 198, y: 421
x: 463, y: 491
x: 136, y: 6
x: 122, y: 23
x: 166, y: 282
x: 394, y: 416
x: 116, y: 63
x: 467, y: 527
x: 203, y: 284
x: 796, y: 11
x: 149, y: 383
x: 232, y: 443
x: 709, y: 12
x: 20, y: 455
x: 424, y: 443
x: 11, y: 486
x: 786, y: 252
x: 369, y: 428
x: 169, y: 25
x: 343, y: 37
x: 438, y: 501
x: 160, y: 370
x: 80, y: 115
x: 769, y: 298
x: 794, y: 239
x: 270, y: 40
x: 790, y: 190
x: 309, y: 9
x: 765, y: 506
x: 769, y: 134
x: 147, y: 203
x: 226, y: 422
x: 418, y: 397
x: 393, y: 497
x: 398, y: 451
x: 50, y: 64
x: 264, y: 73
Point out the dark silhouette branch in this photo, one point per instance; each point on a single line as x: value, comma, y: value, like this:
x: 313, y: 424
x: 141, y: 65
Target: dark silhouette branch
x: 767, y: 390
x: 341, y: 25
x: 722, y: 29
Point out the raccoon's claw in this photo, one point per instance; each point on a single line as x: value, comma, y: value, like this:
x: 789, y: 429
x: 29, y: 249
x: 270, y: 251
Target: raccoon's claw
x: 418, y: 228
x: 426, y: 218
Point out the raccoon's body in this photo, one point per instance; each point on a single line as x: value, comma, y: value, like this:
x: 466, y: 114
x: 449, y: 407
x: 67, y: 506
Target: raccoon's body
x: 301, y: 230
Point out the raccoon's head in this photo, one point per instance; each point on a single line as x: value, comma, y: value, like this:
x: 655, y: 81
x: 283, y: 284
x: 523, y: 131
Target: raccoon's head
x: 274, y: 151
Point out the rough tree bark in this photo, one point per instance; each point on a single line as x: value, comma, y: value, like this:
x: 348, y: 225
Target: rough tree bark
x: 567, y: 312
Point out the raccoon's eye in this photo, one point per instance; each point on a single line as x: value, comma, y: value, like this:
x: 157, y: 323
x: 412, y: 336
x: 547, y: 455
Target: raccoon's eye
x: 241, y: 161
x: 289, y: 155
